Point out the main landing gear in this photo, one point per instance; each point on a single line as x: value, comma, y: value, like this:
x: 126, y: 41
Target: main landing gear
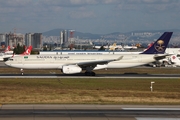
x: 90, y: 73
x: 22, y: 71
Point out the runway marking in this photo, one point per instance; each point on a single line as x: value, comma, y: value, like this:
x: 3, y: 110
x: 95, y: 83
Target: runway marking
x: 99, y: 77
x: 151, y: 108
x: 145, y: 118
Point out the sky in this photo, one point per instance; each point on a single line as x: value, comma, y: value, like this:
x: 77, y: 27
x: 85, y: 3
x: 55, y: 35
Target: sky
x: 88, y: 16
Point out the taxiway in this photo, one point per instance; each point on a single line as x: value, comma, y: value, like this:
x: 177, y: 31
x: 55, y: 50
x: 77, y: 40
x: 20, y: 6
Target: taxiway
x: 128, y: 75
x: 95, y: 112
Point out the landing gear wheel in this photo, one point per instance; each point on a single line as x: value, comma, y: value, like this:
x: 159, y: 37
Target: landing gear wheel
x: 22, y: 71
x: 86, y: 73
x: 165, y: 63
x: 93, y: 74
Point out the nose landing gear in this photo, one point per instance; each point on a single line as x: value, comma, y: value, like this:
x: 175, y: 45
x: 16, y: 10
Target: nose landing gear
x: 22, y: 71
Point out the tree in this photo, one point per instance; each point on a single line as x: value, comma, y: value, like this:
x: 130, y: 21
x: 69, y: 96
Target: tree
x: 19, y: 49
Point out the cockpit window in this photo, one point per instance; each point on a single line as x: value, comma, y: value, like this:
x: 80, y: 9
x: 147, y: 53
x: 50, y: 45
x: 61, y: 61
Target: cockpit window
x: 10, y: 59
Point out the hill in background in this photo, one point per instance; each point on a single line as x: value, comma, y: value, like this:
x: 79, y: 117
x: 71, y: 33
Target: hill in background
x: 133, y: 36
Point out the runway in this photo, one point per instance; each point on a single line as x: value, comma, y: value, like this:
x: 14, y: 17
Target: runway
x: 127, y: 75
x: 95, y: 112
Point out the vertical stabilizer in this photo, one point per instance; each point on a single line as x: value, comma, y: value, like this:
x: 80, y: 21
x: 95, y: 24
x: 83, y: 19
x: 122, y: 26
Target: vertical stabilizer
x: 160, y: 45
x: 7, y: 49
x: 28, y: 51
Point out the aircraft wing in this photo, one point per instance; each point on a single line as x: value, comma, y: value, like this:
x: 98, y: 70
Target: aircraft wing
x: 94, y: 63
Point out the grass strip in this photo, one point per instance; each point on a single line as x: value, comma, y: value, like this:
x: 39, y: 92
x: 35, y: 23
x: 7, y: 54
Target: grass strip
x: 89, y: 91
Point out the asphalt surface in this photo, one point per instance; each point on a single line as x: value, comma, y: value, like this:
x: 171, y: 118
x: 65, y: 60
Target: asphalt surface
x: 91, y: 112
x: 127, y: 75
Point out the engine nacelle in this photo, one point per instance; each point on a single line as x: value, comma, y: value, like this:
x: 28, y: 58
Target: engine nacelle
x: 98, y: 67
x: 71, y: 69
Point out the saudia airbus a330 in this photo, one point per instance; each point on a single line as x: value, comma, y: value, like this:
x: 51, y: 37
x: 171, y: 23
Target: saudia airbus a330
x: 71, y: 64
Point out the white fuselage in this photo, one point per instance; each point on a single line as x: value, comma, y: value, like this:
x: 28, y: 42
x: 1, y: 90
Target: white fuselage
x: 58, y: 61
x: 6, y: 55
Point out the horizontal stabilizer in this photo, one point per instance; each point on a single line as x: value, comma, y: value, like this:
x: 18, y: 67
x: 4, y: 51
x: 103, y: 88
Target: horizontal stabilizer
x: 160, y: 57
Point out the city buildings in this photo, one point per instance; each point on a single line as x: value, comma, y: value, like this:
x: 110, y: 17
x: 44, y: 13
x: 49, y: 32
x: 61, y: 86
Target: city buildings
x: 34, y: 39
x: 12, y: 39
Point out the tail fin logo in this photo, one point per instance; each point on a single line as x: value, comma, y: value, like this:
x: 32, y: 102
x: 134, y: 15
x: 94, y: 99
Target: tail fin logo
x: 160, y: 47
x: 173, y: 57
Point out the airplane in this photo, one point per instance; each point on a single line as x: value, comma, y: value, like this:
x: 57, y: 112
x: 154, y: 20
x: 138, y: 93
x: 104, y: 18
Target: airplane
x: 175, y: 60
x: 72, y: 64
x: 127, y: 47
x: 112, y: 47
x: 7, y: 49
x: 6, y: 53
x: 5, y: 57
x: 115, y: 47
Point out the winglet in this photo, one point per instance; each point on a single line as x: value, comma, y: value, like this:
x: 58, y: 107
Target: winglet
x: 160, y: 45
x: 119, y: 58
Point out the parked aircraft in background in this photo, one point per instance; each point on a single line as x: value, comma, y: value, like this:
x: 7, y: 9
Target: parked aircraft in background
x: 7, y: 53
x: 6, y: 56
x: 175, y: 60
x: 127, y: 47
x: 115, y: 46
x: 71, y: 64
x: 7, y: 49
x: 112, y: 47
x: 171, y: 61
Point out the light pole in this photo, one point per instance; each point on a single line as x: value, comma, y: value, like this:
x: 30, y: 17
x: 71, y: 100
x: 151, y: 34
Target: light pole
x: 151, y: 87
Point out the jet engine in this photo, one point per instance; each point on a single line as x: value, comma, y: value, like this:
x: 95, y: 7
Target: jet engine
x: 98, y: 67
x: 71, y: 69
